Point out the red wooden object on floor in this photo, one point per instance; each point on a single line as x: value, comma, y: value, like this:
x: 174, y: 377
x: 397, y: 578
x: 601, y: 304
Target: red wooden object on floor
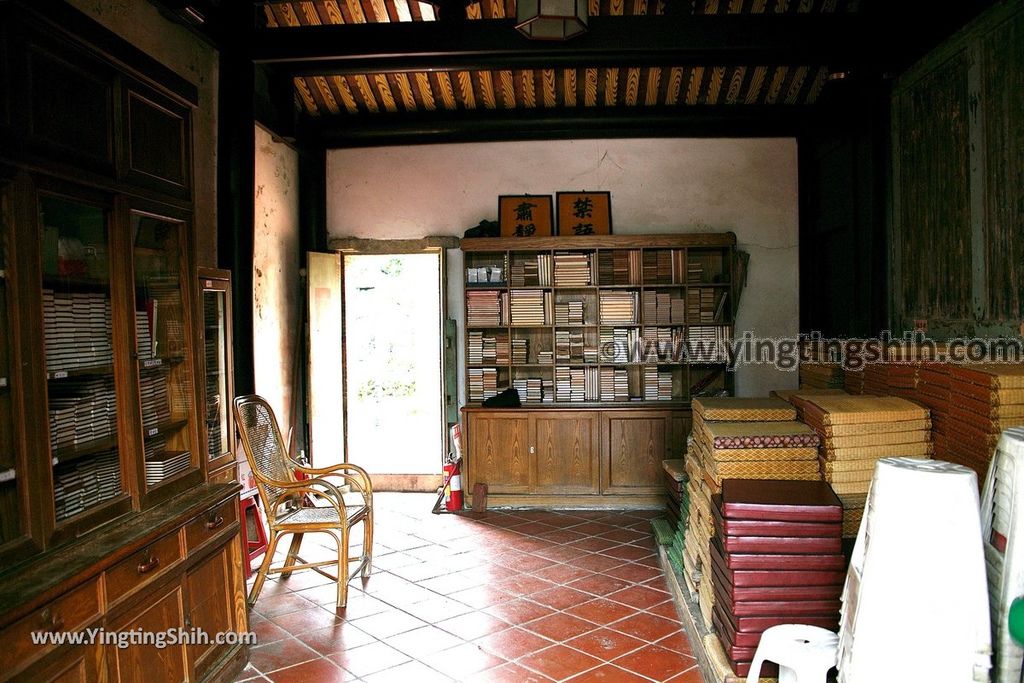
x: 254, y: 533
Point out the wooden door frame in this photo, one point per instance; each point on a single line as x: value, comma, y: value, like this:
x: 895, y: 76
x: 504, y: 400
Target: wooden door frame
x: 353, y: 246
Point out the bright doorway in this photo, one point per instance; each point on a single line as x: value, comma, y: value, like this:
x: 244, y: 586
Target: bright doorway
x: 393, y: 367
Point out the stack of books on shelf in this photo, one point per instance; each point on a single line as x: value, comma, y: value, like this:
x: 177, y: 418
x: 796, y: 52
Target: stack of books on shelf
x: 856, y: 432
x: 569, y: 312
x: 487, y: 349
x: 532, y: 389
x: 775, y: 559
x: 663, y: 344
x: 77, y: 330
x: 619, y: 344
x: 530, y: 307
x: 658, y: 307
x: 483, y: 383
x: 619, y: 267
x: 520, y: 351
x: 619, y: 307
x: 573, y: 269
x: 165, y: 464
x: 492, y: 274
x: 562, y: 346
x: 486, y: 308
x: 545, y: 357
x: 677, y: 311
x: 591, y: 385
x: 153, y: 395
x: 531, y: 271
x: 702, y: 306
x: 614, y: 384
x: 694, y: 271
x: 708, y: 344
x: 85, y: 483
x: 82, y: 410
x: 658, y: 267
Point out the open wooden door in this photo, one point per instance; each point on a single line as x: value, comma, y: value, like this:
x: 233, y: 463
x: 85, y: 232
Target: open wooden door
x: 326, y: 381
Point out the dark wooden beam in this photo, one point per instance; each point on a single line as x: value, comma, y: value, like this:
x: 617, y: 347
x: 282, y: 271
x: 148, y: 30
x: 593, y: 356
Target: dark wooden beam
x: 548, y: 124
x: 844, y: 41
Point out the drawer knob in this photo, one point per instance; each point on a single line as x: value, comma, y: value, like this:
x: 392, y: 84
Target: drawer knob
x: 215, y: 522
x: 149, y: 565
x: 51, y: 622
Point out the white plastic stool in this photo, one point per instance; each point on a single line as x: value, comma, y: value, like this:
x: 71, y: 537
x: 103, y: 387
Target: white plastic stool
x: 804, y: 653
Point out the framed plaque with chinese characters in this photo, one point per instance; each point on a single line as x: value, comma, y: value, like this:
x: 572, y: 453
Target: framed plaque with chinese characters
x: 584, y: 213
x: 526, y: 215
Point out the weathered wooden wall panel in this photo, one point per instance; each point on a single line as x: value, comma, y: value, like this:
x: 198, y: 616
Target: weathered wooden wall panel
x: 934, y: 212
x: 1003, y: 92
x: 958, y: 188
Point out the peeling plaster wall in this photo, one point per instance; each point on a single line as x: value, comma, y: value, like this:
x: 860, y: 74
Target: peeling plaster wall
x: 277, y: 289
x: 748, y: 186
x: 174, y: 46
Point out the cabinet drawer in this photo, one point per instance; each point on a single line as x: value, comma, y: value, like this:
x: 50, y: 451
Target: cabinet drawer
x: 210, y: 523
x: 143, y: 566
x: 70, y: 612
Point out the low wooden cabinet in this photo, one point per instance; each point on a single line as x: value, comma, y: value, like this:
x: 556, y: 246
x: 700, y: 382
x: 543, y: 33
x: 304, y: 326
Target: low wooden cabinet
x: 179, y: 572
x: 586, y: 457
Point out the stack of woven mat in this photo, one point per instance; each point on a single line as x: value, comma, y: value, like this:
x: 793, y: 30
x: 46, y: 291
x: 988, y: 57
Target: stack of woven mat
x: 775, y: 560
x: 821, y: 376
x: 984, y: 400
x: 739, y: 438
x: 677, y: 508
x: 857, y: 431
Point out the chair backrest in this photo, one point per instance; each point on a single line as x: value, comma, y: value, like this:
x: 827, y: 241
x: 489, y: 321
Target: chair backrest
x: 264, y: 448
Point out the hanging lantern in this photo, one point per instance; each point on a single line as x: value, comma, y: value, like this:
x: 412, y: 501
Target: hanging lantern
x: 551, y: 19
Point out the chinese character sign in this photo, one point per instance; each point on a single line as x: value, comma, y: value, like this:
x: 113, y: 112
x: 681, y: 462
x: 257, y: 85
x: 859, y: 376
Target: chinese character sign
x: 526, y: 215
x: 584, y: 213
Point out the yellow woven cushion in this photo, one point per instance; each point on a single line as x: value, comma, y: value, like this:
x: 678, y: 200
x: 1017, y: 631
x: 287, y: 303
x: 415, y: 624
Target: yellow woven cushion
x: 837, y: 410
x: 883, y: 439
x: 995, y: 375
x: 728, y: 409
x: 891, y: 451
x: 744, y: 454
x: 873, y: 428
x: 760, y: 434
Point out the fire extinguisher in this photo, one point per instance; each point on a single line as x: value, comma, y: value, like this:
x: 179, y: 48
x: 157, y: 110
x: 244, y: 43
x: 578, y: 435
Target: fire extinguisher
x: 453, y: 485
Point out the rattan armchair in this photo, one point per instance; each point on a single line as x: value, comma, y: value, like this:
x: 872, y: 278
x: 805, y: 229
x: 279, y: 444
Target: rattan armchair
x: 300, y: 506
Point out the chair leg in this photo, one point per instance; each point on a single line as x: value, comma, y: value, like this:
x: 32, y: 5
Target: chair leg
x: 367, y: 544
x: 343, y: 568
x: 293, y: 553
x: 261, y: 575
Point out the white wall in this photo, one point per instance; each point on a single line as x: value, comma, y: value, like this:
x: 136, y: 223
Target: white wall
x: 277, y: 289
x: 174, y: 46
x: 748, y: 186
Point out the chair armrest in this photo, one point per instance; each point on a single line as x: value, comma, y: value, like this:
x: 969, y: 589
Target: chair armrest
x: 330, y: 493
x: 361, y: 480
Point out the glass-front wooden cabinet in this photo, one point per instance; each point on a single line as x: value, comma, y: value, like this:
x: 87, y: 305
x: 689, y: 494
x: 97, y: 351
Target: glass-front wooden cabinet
x: 81, y: 393
x: 162, y: 336
x: 218, y: 391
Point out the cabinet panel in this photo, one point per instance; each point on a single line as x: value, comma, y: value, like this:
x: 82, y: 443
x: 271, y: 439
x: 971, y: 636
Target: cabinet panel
x: 157, y: 144
x: 217, y: 386
x: 499, y: 452
x: 567, y: 447
x: 210, y: 606
x: 141, y: 662
x: 81, y: 664
x: 10, y: 513
x: 679, y: 425
x: 69, y: 106
x: 635, y: 445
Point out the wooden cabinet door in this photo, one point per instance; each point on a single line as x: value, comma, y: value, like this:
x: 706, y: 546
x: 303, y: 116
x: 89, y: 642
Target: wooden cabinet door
x: 566, y: 445
x: 79, y: 664
x: 679, y: 425
x: 499, y: 452
x: 211, y: 608
x: 634, y: 446
x: 163, y: 611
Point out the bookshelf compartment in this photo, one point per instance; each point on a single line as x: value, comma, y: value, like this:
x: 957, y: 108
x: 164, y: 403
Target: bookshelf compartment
x: 82, y: 405
x: 603, y: 320
x: 532, y: 346
x: 486, y: 270
x: 165, y: 383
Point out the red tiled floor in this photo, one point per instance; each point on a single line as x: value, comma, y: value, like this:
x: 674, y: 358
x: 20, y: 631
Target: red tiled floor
x: 656, y: 662
x: 524, y: 596
x: 559, y: 662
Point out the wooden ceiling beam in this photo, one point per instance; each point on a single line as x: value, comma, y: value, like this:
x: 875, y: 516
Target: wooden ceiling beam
x: 702, y: 121
x: 845, y: 42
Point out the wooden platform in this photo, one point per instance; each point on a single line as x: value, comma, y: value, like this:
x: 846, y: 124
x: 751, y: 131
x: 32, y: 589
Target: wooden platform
x: 714, y: 666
